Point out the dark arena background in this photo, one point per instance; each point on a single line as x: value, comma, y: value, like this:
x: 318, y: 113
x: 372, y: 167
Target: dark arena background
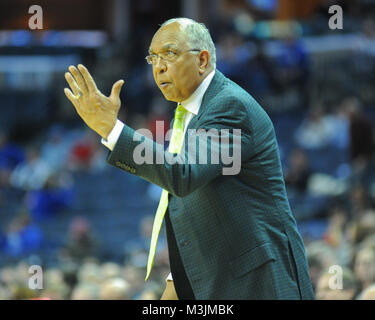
x: 88, y: 225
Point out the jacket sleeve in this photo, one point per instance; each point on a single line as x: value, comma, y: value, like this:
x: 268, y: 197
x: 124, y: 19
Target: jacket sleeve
x: 218, y: 147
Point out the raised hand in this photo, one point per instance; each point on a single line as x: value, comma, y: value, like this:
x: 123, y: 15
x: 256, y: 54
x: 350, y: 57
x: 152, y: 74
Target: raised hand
x: 98, y: 111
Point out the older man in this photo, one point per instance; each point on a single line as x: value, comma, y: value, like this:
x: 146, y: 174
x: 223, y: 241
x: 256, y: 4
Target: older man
x: 230, y: 235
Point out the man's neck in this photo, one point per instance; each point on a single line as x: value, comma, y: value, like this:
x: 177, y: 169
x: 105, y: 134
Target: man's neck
x: 192, y: 104
x: 203, y: 76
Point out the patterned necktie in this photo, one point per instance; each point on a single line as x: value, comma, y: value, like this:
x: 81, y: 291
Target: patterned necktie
x: 174, y: 147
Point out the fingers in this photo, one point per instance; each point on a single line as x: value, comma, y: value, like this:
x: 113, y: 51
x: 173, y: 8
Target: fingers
x: 79, y: 79
x: 116, y: 88
x: 73, y: 85
x: 88, y: 79
x: 73, y: 99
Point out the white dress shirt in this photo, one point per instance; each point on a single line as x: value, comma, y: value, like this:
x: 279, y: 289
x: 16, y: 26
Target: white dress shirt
x: 191, y: 104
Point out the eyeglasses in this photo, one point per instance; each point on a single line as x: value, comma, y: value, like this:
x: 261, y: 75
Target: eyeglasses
x: 168, y: 56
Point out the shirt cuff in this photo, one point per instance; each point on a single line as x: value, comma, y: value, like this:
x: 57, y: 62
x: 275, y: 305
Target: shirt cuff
x: 113, y: 136
x: 169, y: 278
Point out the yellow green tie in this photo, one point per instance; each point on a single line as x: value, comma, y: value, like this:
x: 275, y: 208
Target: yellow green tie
x: 174, y: 147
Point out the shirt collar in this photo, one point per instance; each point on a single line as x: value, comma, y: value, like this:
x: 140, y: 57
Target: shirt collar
x: 193, y: 103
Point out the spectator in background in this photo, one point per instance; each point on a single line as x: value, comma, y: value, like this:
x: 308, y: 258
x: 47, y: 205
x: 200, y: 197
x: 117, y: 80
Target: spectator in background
x: 141, y: 92
x: 363, y: 226
x: 315, y: 131
x: 329, y: 288
x: 321, y: 257
x: 134, y: 276
x: 56, y: 195
x: 54, y: 286
x: 69, y: 271
x: 11, y: 155
x: 338, y: 234
x: 315, y: 268
x: 110, y: 270
x: 5, y: 293
x: 263, y: 80
x: 22, y: 236
x: 364, y: 266
x: 335, y: 230
x: 90, y: 271
x: 367, y: 38
x: 230, y: 58
x: 114, y: 289
x: 321, y: 129
x: 85, y: 153
x: 359, y: 201
x: 362, y: 145
x: 136, y: 251
x: 338, y: 121
x: 152, y: 291
x: 293, y: 62
x: 32, y: 174
x: 81, y: 243
x: 368, y: 293
x: 86, y: 291
x: 298, y: 173
x: 55, y: 149
x: 266, y: 9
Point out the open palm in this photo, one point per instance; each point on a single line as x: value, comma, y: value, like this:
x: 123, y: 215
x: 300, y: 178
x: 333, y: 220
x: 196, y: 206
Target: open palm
x: 98, y: 111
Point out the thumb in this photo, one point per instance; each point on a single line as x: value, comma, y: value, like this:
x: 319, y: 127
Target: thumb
x: 116, y: 88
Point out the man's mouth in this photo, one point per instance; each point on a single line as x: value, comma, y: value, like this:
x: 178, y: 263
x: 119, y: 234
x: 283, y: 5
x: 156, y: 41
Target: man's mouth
x: 164, y: 84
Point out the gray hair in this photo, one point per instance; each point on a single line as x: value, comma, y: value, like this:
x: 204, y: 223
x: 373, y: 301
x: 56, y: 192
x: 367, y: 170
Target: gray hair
x: 197, y: 35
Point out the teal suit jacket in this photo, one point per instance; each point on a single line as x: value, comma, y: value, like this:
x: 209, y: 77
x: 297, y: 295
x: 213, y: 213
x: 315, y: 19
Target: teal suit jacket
x: 236, y: 234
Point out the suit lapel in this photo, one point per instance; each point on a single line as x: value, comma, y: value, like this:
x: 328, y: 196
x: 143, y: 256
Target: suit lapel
x: 212, y: 90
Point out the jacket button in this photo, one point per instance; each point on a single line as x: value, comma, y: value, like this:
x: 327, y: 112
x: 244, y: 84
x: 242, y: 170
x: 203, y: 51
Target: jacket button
x: 184, y: 243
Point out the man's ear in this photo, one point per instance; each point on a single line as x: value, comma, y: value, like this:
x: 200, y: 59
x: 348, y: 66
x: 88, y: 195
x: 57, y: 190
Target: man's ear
x: 204, y: 61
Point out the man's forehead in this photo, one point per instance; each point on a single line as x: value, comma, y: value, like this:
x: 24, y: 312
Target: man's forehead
x: 166, y: 46
x: 167, y: 37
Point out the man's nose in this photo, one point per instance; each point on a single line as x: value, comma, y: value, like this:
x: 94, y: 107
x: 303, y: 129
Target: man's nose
x: 160, y: 65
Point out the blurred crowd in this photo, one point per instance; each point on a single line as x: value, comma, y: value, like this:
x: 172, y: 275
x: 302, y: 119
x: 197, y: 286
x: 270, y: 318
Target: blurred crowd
x: 327, y: 146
